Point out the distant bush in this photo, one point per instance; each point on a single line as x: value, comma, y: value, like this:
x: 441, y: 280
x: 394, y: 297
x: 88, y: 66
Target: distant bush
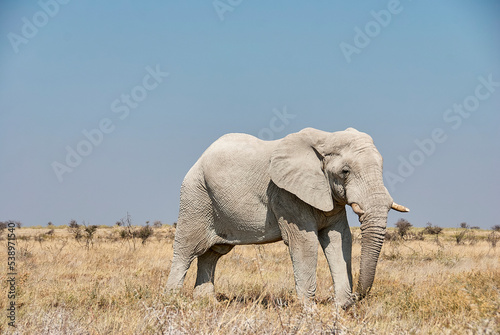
x: 157, y: 224
x: 493, y: 238
x: 82, y: 231
x: 128, y: 232
x: 467, y: 234
x: 391, y: 236
x: 144, y: 233
x: 403, y: 226
x: 4, y: 224
x: 89, y: 232
x: 432, y: 230
x: 75, y: 230
x: 496, y: 228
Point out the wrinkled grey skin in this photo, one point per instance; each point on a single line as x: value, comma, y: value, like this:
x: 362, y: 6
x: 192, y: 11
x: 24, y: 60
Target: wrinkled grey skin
x: 244, y: 190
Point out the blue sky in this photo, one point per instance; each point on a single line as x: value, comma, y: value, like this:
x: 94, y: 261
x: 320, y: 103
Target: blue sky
x: 70, y: 68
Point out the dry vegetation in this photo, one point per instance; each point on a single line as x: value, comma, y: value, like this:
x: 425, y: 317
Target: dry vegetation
x: 114, y: 286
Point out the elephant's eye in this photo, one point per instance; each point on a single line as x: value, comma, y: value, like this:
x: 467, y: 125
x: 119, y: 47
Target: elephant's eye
x: 345, y: 172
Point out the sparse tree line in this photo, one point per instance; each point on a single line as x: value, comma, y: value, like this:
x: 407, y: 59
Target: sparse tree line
x: 86, y: 234
x: 466, y: 235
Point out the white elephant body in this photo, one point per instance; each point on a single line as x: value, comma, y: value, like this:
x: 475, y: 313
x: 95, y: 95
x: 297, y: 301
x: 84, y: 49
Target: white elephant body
x: 243, y: 190
x: 225, y: 169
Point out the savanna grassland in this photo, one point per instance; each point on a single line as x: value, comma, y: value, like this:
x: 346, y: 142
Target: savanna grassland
x: 115, y: 286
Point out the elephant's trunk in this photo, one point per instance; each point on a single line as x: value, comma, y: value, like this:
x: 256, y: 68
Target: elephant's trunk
x: 372, y: 238
x: 373, y: 218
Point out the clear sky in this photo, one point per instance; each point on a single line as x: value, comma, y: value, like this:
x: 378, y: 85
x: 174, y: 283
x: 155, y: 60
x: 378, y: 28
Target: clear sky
x: 154, y: 83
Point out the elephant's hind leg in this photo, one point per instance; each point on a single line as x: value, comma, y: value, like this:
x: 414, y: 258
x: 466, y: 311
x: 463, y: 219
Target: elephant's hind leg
x: 192, y: 237
x: 178, y: 272
x: 206, y: 270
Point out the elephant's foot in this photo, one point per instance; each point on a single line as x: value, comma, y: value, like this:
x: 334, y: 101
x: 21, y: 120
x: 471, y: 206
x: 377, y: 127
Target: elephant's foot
x: 349, y: 302
x: 308, y: 304
x: 205, y: 290
x: 344, y: 298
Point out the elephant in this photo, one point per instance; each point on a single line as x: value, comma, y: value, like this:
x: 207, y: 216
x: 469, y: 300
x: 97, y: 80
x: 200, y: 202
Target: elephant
x: 244, y: 190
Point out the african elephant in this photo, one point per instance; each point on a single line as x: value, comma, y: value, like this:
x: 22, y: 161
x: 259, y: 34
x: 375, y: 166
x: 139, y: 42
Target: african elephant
x: 243, y: 190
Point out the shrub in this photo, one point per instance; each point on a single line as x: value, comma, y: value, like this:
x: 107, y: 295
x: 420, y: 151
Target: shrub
x: 89, y: 235
x: 403, y: 227
x: 128, y: 232
x: 75, y: 230
x: 144, y: 233
x: 3, y: 225
x: 394, y: 236
x: 493, y: 238
x: 496, y: 228
x: 433, y: 230
x: 124, y: 234
x: 157, y: 224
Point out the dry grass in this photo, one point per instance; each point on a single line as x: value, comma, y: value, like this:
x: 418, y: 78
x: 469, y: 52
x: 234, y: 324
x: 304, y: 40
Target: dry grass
x: 421, y: 287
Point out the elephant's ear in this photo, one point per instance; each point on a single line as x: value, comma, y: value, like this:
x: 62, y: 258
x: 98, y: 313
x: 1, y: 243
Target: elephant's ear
x: 296, y: 166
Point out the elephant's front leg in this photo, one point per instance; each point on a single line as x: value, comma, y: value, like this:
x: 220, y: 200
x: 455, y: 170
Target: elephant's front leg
x: 337, y: 245
x: 303, y: 246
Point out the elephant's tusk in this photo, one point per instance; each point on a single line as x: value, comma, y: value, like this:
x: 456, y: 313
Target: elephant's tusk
x: 399, y: 208
x: 357, y: 209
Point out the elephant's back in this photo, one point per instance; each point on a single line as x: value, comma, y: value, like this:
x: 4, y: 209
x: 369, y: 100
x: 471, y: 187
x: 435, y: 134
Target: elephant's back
x: 231, y: 157
x: 238, y: 151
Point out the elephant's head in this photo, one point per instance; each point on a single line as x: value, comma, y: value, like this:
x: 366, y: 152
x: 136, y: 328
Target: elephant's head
x: 327, y: 170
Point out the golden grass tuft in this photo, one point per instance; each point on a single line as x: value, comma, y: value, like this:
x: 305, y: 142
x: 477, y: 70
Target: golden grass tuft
x: 421, y: 287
